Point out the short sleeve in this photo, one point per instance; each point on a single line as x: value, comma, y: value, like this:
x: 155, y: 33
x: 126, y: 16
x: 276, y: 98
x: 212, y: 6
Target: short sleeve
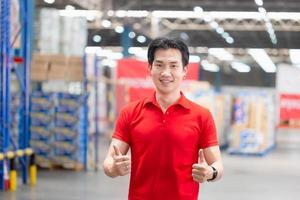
x: 209, y: 133
x: 122, y: 127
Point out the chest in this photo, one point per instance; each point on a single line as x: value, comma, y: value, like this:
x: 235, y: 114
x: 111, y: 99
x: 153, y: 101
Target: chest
x: 175, y: 128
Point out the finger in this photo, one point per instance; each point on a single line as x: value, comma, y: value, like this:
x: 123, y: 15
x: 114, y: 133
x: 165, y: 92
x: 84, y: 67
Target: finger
x: 201, y: 158
x: 121, y: 158
x: 117, y: 150
x: 123, y: 163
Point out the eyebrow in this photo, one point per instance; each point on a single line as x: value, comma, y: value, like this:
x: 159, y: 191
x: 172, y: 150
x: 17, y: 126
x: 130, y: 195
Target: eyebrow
x: 159, y: 61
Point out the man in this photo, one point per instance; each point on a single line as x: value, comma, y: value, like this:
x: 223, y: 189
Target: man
x: 173, y: 141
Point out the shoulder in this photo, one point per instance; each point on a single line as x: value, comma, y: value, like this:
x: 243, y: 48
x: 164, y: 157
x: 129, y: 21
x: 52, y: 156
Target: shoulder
x: 134, y: 106
x: 201, y: 110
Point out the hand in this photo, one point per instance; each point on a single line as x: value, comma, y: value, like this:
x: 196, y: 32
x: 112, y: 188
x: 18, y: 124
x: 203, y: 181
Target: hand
x: 121, y: 162
x: 201, y: 171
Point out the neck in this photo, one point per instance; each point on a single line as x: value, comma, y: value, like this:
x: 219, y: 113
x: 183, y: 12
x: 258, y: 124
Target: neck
x: 166, y: 100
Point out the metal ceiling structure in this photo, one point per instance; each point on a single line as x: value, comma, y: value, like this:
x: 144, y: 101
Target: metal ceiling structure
x: 246, y: 32
x: 203, y: 29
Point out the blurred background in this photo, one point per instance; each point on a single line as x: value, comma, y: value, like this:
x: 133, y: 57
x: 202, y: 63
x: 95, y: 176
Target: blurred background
x: 69, y: 66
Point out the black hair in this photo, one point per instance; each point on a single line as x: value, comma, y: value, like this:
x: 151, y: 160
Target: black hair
x: 166, y: 43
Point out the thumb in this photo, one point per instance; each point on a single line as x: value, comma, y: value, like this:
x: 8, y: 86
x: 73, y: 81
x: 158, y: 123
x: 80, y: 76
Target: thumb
x: 201, y: 158
x: 117, y: 150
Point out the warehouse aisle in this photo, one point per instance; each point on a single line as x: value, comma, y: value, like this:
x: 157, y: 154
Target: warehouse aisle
x: 274, y: 177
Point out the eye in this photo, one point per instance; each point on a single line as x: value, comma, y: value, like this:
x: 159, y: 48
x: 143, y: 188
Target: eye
x: 174, y: 66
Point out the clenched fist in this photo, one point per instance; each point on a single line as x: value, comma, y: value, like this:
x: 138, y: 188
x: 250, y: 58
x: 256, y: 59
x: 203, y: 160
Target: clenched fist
x: 201, y: 171
x: 121, y: 163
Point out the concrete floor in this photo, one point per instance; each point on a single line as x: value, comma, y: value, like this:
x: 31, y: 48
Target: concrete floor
x: 275, y: 176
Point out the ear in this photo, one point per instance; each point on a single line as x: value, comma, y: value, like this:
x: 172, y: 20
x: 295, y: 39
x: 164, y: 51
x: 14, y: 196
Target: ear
x: 185, y: 70
x: 149, y: 68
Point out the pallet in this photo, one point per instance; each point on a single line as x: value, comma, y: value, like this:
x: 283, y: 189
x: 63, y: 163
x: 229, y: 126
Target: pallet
x: 233, y: 151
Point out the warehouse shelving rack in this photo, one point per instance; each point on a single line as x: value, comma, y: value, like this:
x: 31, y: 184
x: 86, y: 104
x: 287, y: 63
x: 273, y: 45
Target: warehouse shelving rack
x: 22, y: 69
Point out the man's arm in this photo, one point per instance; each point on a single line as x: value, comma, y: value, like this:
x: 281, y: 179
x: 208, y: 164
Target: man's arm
x: 209, y: 158
x: 117, y: 163
x: 213, y: 158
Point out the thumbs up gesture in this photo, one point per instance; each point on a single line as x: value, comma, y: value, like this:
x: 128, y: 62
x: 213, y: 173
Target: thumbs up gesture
x: 201, y: 171
x: 121, y: 163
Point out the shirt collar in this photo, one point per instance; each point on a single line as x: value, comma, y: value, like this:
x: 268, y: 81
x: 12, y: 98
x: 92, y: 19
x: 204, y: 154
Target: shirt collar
x: 183, y: 101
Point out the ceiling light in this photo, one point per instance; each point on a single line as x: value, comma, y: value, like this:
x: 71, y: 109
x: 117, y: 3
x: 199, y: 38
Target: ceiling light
x: 221, y: 54
x: 262, y: 58
x: 210, y: 66
x: 294, y: 56
x: 220, y: 30
x: 106, y: 23
x: 49, y: 1
x: 198, y: 9
x: 131, y: 34
x: 214, y: 24
x: 262, y: 10
x: 69, y: 7
x: 194, y: 59
x: 259, y: 2
x: 240, y: 67
x: 119, y: 29
x: 97, y: 38
x: 141, y: 39
x: 229, y: 40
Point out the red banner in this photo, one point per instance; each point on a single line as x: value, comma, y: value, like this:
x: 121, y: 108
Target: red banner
x: 289, y: 106
x: 137, y: 82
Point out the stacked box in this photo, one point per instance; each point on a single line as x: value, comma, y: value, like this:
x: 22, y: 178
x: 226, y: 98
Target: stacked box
x: 253, y: 127
x: 15, y: 116
x: 41, y: 123
x: 68, y: 145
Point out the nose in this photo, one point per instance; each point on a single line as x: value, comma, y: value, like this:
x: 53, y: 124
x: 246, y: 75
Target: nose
x: 166, y: 72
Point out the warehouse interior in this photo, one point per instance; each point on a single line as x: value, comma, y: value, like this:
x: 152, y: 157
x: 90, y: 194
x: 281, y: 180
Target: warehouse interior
x: 68, y: 67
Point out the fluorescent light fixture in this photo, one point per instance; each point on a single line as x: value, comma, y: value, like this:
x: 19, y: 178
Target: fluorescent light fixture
x: 262, y: 58
x: 131, y: 34
x: 106, y: 23
x: 80, y: 13
x: 49, y: 1
x: 138, y: 52
x: 141, y: 39
x: 240, y: 67
x: 119, y: 29
x: 92, y: 49
x: 262, y: 10
x: 221, y: 54
x: 97, y: 38
x: 69, y: 7
x: 194, y: 59
x: 259, y: 2
x: 229, y: 40
x: 210, y: 66
x: 175, y: 14
x: 220, y: 30
x: 214, y: 24
x: 295, y: 56
x: 198, y: 9
x: 110, y: 54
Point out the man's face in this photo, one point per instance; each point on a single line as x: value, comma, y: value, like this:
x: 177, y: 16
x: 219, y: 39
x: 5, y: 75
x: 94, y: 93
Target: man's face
x: 167, y: 70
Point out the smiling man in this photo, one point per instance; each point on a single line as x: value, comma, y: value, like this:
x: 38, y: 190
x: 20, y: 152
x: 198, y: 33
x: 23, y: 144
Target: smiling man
x: 173, y: 141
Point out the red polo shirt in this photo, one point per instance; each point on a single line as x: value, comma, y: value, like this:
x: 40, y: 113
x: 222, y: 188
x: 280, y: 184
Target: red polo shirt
x: 164, y: 146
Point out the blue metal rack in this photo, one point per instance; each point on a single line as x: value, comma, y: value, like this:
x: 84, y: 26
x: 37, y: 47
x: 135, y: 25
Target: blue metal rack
x: 26, y: 19
x: 97, y: 134
x: 4, y: 76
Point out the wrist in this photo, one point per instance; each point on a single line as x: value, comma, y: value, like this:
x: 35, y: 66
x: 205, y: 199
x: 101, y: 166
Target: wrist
x: 213, y: 174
